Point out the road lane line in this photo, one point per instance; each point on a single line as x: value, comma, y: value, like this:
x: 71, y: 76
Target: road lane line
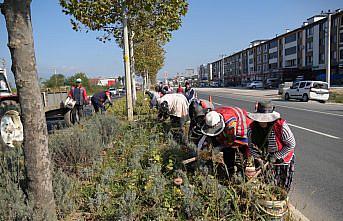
x: 277, y: 105
x: 313, y: 131
x: 217, y: 103
x: 314, y: 111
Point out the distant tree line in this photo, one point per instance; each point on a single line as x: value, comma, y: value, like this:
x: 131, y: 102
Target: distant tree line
x: 59, y: 80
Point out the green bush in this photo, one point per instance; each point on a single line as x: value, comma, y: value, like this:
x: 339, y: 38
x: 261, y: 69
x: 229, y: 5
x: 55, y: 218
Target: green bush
x: 13, y: 200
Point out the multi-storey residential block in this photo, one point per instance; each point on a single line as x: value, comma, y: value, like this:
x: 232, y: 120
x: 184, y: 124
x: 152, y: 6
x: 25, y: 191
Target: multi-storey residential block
x: 300, y: 52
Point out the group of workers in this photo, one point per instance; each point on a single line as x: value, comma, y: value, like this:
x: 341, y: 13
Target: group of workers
x: 261, y: 135
x: 79, y: 95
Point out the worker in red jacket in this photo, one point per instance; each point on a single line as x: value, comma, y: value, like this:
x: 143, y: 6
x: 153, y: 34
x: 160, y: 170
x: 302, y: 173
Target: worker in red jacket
x: 79, y: 95
x: 271, y: 140
x: 228, y: 126
x: 100, y: 99
x: 179, y: 89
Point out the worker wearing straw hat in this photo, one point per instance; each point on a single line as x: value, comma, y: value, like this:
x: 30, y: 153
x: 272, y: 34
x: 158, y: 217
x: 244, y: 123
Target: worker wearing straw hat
x: 271, y: 140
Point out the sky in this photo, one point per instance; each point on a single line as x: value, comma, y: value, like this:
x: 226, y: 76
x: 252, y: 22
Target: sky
x: 210, y: 28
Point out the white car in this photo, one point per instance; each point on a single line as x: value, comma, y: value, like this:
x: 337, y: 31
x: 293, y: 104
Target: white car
x: 255, y: 84
x: 308, y: 90
x: 113, y: 91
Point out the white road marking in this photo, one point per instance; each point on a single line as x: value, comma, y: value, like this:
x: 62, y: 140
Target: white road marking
x: 216, y: 103
x: 314, y: 111
x: 277, y: 105
x: 314, y: 131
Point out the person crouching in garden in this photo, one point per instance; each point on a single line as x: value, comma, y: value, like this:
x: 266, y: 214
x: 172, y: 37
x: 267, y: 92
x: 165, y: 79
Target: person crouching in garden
x: 198, y: 108
x: 271, y: 140
x: 100, y: 99
x: 228, y: 126
x: 174, y: 106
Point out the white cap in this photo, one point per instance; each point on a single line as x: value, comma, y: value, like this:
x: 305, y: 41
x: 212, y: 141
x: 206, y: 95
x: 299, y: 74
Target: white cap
x: 214, y: 124
x: 78, y: 80
x: 212, y: 118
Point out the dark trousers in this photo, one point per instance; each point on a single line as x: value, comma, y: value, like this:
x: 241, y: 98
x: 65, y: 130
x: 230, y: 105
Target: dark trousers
x: 179, y: 122
x: 77, y: 113
x: 97, y: 105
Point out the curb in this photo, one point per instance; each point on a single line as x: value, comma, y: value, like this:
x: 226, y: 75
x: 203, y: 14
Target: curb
x: 296, y: 214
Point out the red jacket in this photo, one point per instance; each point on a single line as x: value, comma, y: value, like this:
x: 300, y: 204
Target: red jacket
x: 83, y: 91
x: 179, y: 90
x: 284, y: 140
x: 237, y: 118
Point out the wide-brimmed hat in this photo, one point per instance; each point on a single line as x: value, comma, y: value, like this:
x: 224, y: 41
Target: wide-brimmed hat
x: 214, y: 124
x: 264, y: 112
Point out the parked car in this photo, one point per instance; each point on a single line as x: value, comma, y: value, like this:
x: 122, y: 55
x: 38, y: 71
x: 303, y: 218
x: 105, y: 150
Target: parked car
x: 214, y: 84
x: 308, y: 90
x: 284, y: 86
x: 271, y: 83
x: 113, y: 91
x: 255, y: 84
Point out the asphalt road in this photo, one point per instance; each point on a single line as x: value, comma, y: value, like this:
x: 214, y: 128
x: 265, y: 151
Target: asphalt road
x: 317, y: 189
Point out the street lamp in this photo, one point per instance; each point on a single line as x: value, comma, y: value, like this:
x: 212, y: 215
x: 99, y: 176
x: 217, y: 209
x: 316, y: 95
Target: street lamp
x: 328, y: 51
x: 222, y: 70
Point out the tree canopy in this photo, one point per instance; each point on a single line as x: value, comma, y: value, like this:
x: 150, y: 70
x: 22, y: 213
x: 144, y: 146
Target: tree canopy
x: 55, y: 81
x: 150, y: 17
x: 149, y: 56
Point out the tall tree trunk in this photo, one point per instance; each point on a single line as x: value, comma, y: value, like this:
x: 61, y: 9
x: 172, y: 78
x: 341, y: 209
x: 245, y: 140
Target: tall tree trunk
x: 133, y: 75
x: 37, y: 161
x: 148, y: 80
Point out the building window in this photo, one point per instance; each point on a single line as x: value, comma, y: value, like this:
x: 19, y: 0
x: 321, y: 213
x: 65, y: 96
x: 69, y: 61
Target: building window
x: 272, y: 44
x: 309, y: 60
x: 259, y: 68
x: 290, y: 38
x: 265, y: 48
x: 290, y: 63
x: 251, y: 61
x: 265, y: 57
x: 273, y: 55
x: 292, y: 50
x: 273, y: 66
x: 341, y: 37
x: 334, y: 55
x: 309, y: 32
x: 309, y: 45
x: 341, y: 54
x: 265, y: 67
x: 258, y: 58
x: 251, y: 52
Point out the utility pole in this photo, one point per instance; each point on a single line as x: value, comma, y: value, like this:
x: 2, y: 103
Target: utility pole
x: 222, y: 71
x: 129, y: 105
x: 132, y: 64
x: 328, y: 53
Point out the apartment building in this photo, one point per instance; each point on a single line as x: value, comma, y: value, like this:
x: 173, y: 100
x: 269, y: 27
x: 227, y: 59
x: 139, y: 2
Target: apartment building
x: 299, y: 52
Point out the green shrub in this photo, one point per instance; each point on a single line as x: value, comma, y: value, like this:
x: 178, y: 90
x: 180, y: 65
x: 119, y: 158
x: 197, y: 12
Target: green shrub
x: 14, y: 204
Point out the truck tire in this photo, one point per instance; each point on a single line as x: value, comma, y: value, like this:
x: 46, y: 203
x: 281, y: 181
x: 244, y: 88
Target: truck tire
x: 11, y: 128
x: 68, y: 118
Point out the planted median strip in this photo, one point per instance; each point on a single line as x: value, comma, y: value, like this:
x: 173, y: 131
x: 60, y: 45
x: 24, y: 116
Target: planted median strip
x: 109, y: 169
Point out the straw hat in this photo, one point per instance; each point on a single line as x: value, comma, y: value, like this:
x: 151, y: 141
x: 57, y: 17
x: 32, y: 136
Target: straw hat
x: 264, y: 112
